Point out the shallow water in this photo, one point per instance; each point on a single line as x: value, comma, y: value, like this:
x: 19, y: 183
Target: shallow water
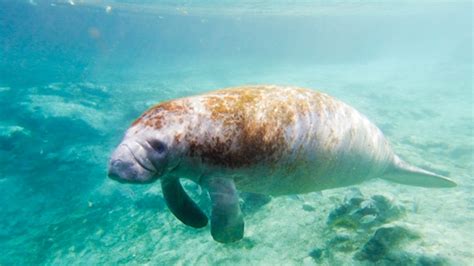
x: 73, y: 75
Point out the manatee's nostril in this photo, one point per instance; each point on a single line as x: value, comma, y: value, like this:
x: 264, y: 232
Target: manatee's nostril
x: 118, y: 166
x: 116, y: 163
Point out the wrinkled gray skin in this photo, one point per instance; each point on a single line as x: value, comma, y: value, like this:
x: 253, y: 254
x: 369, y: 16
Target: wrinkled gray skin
x: 331, y: 145
x: 136, y: 162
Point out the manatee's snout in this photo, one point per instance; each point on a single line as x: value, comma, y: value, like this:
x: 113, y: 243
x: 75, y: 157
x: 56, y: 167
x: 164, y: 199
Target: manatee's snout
x: 119, y: 170
x: 129, y: 164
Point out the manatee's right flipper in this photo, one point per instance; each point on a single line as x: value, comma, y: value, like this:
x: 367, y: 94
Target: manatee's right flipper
x: 227, y: 223
x: 181, y: 205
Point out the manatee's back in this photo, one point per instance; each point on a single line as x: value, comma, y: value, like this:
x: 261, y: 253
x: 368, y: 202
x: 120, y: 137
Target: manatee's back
x: 239, y: 127
x: 287, y: 139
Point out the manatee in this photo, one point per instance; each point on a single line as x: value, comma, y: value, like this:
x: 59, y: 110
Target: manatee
x: 266, y: 139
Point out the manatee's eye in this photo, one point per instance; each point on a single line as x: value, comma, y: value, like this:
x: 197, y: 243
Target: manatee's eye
x: 157, y: 145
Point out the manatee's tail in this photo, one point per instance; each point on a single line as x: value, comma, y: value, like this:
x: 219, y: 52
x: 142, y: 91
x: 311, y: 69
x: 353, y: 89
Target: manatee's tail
x: 403, y: 173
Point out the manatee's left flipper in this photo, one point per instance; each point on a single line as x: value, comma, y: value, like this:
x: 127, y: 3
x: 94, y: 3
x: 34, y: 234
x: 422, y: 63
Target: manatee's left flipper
x: 227, y: 223
x: 181, y: 205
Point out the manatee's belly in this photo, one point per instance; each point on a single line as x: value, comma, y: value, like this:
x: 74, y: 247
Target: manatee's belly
x: 301, y: 177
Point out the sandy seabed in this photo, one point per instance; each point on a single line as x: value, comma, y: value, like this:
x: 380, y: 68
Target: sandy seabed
x: 67, y: 212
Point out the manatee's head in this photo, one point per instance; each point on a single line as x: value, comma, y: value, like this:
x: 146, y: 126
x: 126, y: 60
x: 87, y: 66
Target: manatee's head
x: 141, y: 158
x: 149, y: 150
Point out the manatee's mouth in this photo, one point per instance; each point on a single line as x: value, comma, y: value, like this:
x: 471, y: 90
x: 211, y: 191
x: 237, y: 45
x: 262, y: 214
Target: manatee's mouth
x: 115, y: 176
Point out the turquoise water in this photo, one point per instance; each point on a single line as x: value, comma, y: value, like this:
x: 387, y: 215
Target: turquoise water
x: 74, y: 75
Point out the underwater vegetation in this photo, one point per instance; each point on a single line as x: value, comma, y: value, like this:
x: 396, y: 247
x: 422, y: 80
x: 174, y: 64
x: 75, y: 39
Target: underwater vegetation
x: 73, y: 78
